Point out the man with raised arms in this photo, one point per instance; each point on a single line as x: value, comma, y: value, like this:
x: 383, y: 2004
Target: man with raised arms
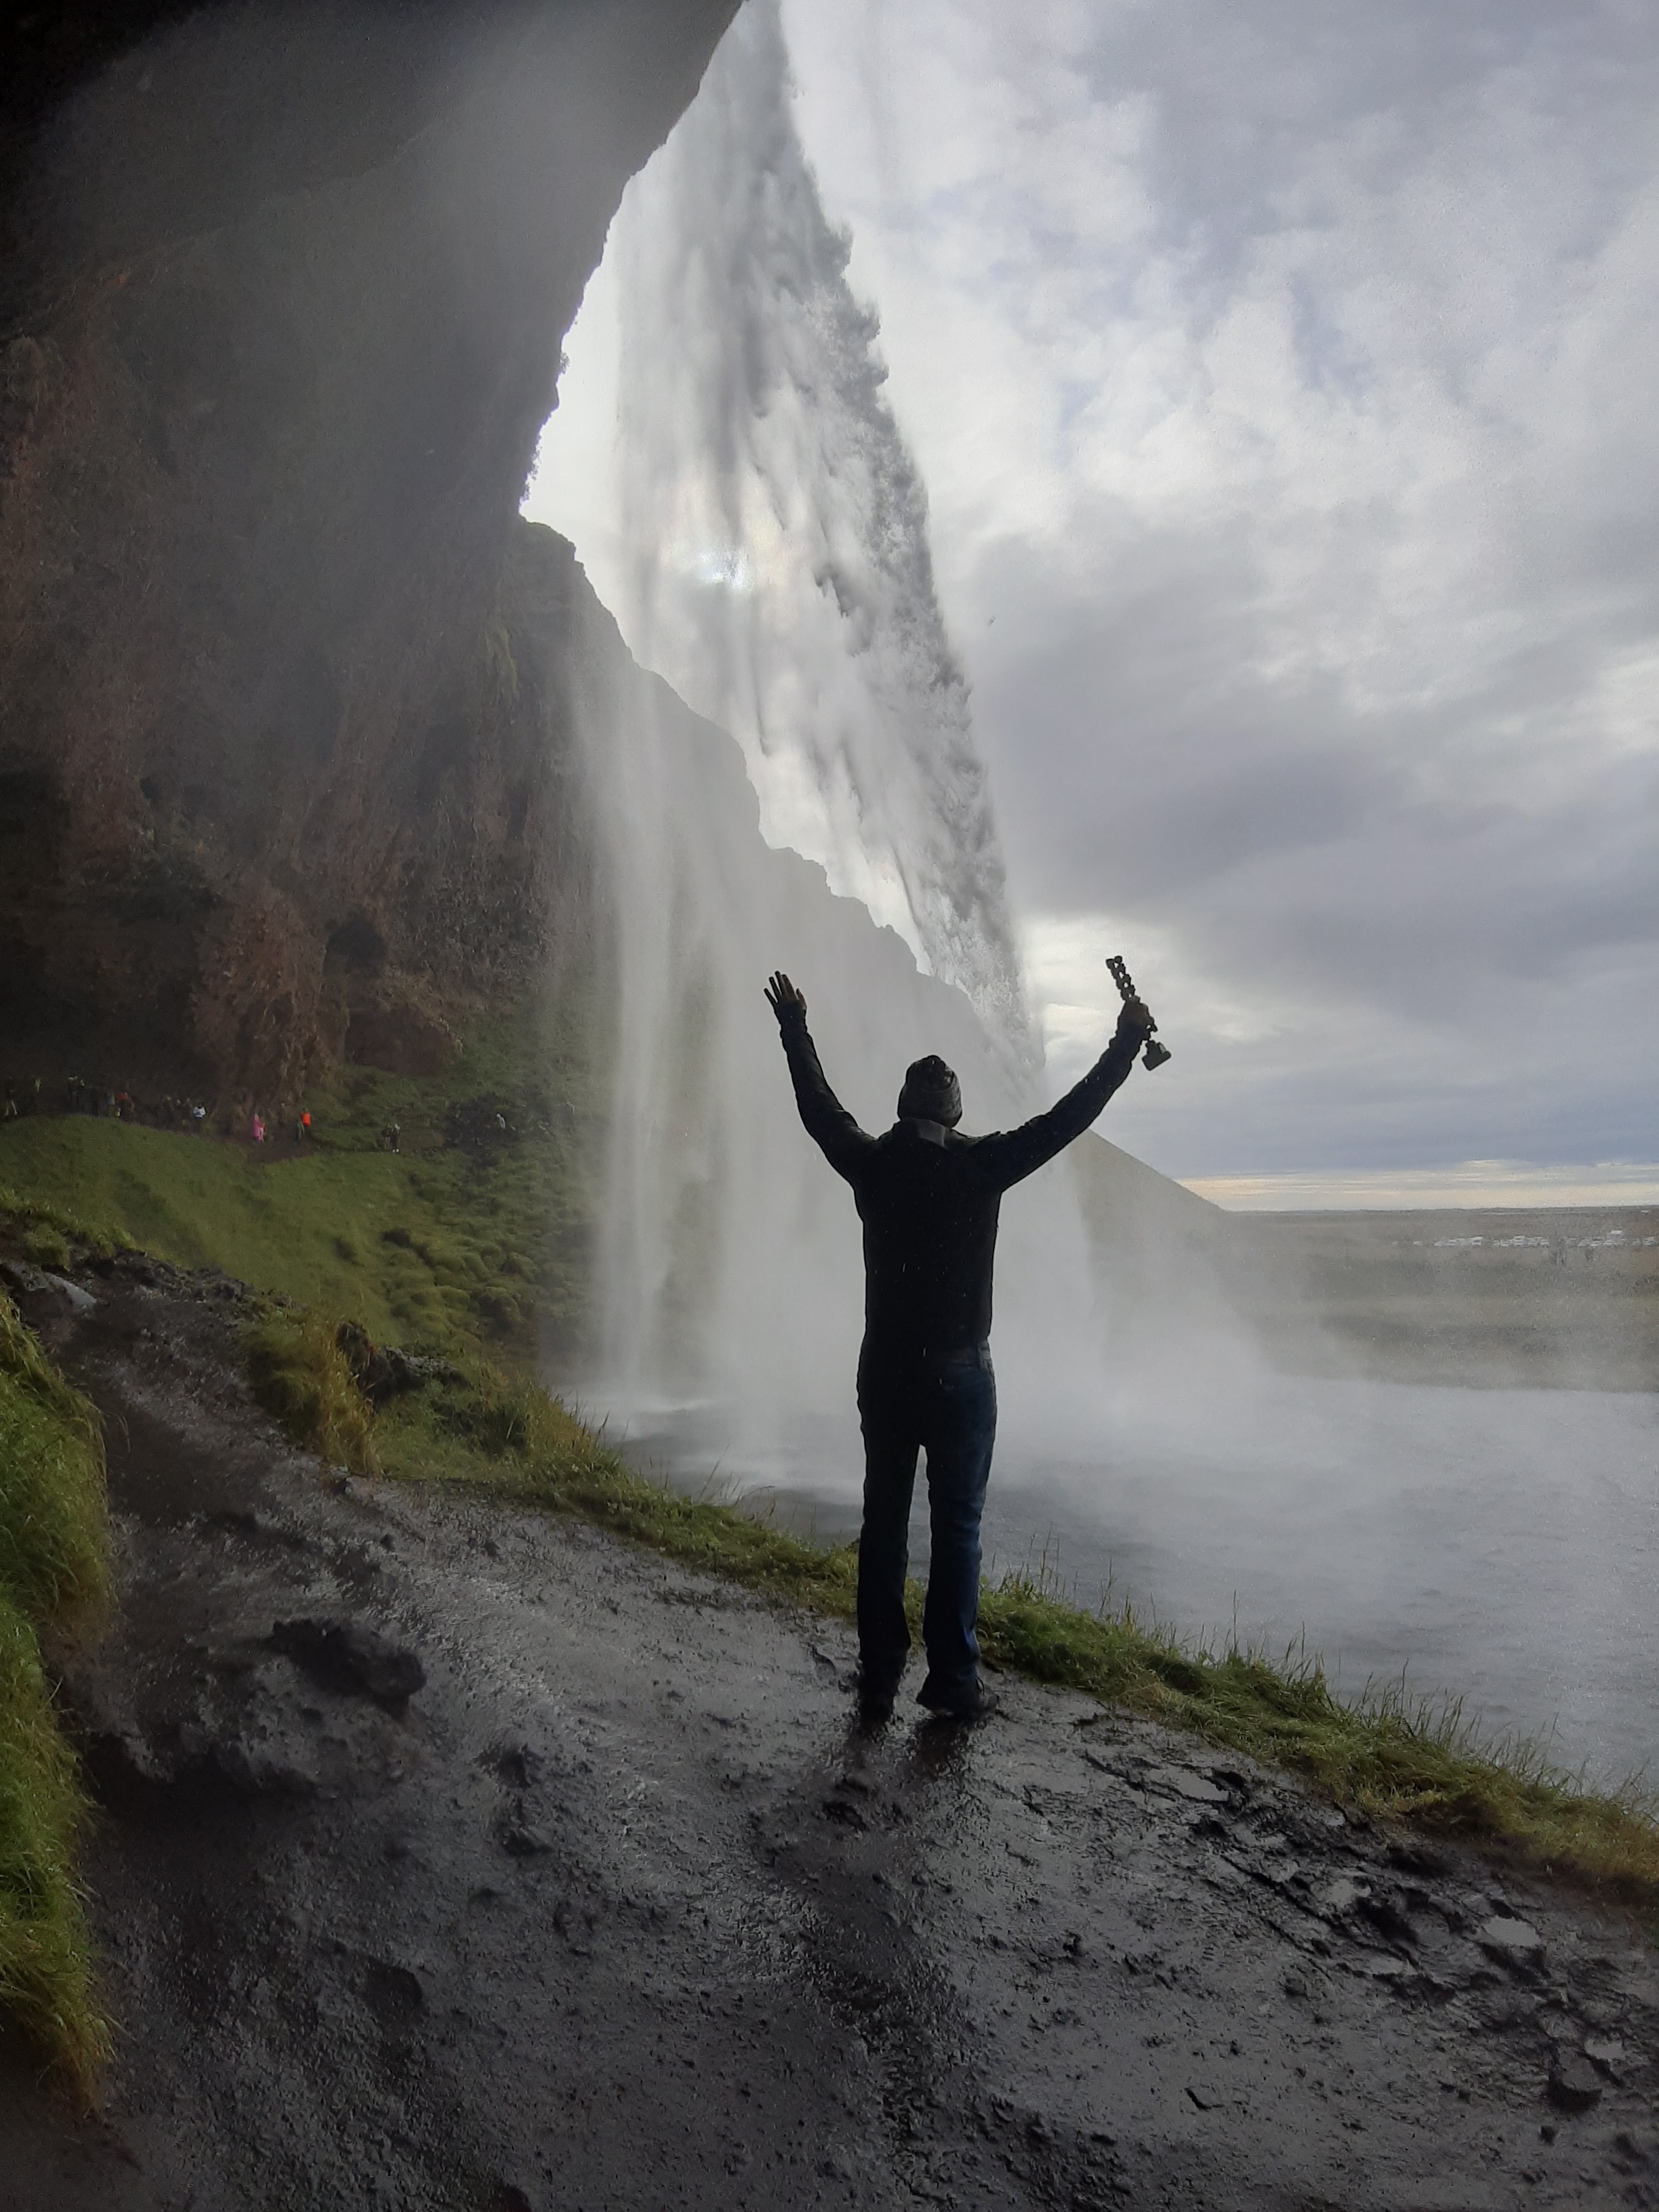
x: 929, y: 1198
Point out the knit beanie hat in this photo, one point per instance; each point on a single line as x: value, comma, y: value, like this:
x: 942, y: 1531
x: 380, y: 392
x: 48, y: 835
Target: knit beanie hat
x: 931, y: 1093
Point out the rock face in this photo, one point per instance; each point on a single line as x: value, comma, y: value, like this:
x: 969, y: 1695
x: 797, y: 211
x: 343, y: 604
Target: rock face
x: 279, y: 779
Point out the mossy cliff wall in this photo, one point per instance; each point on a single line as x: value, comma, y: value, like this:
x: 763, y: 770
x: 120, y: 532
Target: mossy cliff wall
x: 285, y: 291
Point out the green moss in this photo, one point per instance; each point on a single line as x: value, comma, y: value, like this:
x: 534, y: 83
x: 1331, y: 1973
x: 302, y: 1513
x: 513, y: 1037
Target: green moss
x: 53, y: 1572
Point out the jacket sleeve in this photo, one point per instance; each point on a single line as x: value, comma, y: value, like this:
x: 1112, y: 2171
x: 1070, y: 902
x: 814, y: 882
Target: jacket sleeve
x: 828, y: 1124
x: 1010, y: 1158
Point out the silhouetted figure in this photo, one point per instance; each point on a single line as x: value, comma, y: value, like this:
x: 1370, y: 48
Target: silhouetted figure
x: 929, y: 1198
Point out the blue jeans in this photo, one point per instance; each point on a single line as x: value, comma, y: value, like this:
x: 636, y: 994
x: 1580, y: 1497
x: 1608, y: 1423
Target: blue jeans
x: 946, y: 1405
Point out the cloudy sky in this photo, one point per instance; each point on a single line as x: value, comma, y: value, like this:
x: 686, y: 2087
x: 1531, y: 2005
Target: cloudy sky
x: 1281, y: 376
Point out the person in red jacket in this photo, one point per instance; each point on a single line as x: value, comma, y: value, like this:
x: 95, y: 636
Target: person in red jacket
x: 929, y: 1199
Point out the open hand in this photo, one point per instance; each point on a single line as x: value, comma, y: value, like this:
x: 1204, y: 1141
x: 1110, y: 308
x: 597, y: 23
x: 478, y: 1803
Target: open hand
x: 783, y: 998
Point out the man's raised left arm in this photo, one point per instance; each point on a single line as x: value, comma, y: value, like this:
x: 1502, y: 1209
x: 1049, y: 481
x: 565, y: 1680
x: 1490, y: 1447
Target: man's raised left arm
x: 828, y: 1122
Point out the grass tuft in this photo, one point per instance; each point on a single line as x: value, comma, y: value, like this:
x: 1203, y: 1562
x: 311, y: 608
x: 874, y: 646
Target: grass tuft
x: 51, y: 1235
x: 54, y: 1518
x: 54, y: 1542
x: 301, y: 1374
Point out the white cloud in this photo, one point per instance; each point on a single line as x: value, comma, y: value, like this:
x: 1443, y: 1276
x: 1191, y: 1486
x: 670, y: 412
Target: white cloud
x: 1470, y: 1183
x: 1280, y: 377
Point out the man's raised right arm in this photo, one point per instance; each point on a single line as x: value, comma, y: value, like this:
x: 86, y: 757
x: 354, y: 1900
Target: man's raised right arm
x: 828, y: 1122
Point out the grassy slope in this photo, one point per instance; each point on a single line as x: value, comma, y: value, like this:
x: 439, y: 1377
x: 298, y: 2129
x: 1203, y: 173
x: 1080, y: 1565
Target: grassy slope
x: 435, y: 1246
x: 442, y: 1248
x: 53, y: 1565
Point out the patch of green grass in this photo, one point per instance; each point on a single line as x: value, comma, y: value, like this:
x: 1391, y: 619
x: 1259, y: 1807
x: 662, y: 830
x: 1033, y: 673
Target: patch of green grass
x: 443, y: 1250
x: 53, y: 1573
x: 54, y: 1521
x: 300, y: 1373
x: 451, y: 1248
x: 49, y: 1234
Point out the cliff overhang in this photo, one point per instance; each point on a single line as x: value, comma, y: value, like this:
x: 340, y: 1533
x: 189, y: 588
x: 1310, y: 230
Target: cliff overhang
x: 287, y: 290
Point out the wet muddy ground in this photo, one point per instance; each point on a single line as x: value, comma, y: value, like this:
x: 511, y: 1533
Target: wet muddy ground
x: 452, y: 1857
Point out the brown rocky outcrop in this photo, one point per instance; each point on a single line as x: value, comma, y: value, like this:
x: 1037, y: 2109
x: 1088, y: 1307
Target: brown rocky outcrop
x: 282, y: 321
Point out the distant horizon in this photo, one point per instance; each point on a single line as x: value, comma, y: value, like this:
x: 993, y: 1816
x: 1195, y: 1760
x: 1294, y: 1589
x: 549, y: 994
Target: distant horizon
x: 1470, y: 1187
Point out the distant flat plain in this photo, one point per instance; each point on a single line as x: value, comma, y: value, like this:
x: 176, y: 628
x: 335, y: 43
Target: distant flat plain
x: 1555, y: 1296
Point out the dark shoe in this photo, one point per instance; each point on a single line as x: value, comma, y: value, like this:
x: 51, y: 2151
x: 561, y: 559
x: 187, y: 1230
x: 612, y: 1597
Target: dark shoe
x: 977, y: 1703
x: 876, y: 1701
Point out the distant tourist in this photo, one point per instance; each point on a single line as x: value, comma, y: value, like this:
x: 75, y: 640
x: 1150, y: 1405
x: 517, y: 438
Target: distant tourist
x: 928, y: 1197
x: 256, y: 1128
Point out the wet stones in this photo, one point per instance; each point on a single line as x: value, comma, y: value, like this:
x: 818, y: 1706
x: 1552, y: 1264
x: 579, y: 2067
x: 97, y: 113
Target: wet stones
x: 346, y: 1657
x: 516, y: 1764
x: 1574, y: 2084
x: 1384, y: 1912
x: 393, y: 1993
x: 1607, y: 2053
x: 518, y: 1835
x: 1182, y: 1782
x: 39, y: 1292
x: 1510, y: 1940
x: 383, y: 1372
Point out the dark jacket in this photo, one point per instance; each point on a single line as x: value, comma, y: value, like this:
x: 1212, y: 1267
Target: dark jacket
x: 929, y: 1198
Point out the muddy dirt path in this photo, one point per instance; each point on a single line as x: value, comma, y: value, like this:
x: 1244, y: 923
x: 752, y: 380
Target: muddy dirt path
x: 457, y: 1858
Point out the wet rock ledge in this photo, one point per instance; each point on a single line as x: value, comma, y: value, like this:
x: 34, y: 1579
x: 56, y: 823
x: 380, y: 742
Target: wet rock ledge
x: 452, y: 1857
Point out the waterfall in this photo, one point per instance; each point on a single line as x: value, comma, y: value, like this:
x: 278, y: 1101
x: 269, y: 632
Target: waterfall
x: 769, y: 558
x: 779, y: 567
x: 730, y: 1264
